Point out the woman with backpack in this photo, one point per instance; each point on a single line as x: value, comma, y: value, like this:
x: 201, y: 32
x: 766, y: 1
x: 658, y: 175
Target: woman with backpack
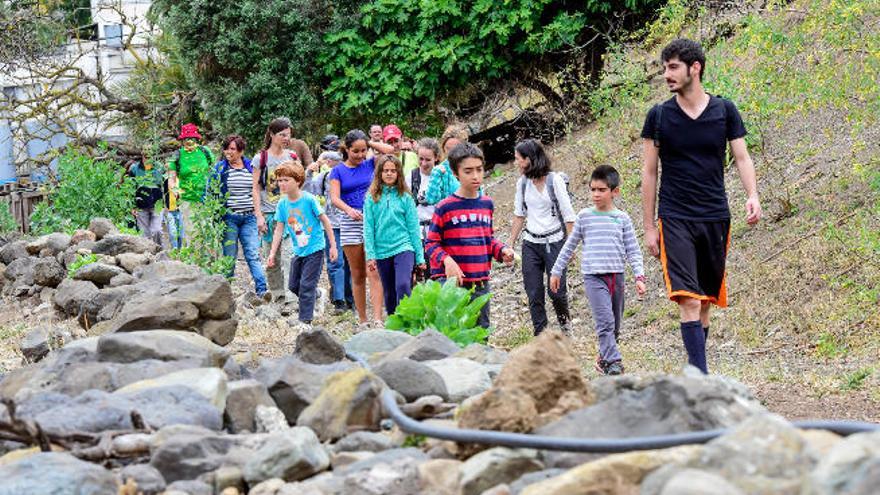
x: 276, y: 144
x: 236, y: 178
x: 543, y: 206
x: 349, y: 182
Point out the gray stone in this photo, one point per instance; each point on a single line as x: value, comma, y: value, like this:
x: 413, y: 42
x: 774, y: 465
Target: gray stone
x: 120, y: 280
x: 294, y: 384
x: 13, y: 251
x: 463, y: 378
x: 483, y: 354
x: 99, y: 273
x: 270, y: 419
x: 221, y: 332
x: 21, y: 271
x: 412, y: 379
x: 130, y: 261
x: 163, y: 345
x: 241, y: 404
x: 292, y: 455
x: 115, y: 244
x: 49, y: 245
x: 852, y: 467
x: 212, y: 295
x: 385, y: 457
x: 398, y: 477
x: 48, y: 272
x: 159, y: 312
x: 210, y: 383
x: 73, y: 294
x: 170, y: 270
x: 696, y: 482
x: 428, y: 345
x: 531, y: 478
x: 102, y: 227
x: 106, y: 304
x: 428, y: 406
x: 632, y: 406
x: 80, y: 236
x: 189, y: 487
x: 53, y: 473
x: 316, y: 346
x: 187, y: 452
x: 370, y: 342
x: 148, y: 479
x: 364, y: 441
x: 495, y: 466
x: 349, y: 401
x: 35, y: 344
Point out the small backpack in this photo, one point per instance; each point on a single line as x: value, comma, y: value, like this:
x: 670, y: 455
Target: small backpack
x: 415, y: 184
x: 551, y: 191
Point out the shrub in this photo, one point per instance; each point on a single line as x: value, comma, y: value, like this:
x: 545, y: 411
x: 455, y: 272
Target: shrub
x: 7, y: 221
x: 447, y: 308
x: 81, y: 261
x: 204, y: 240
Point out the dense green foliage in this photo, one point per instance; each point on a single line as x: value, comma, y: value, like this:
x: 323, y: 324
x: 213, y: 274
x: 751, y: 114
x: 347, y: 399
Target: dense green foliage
x: 446, y: 308
x: 7, y: 221
x: 203, y: 246
x: 88, y: 189
x: 81, y: 261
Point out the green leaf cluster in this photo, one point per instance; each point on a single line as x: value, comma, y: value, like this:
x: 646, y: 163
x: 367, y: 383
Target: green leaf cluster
x: 446, y: 308
x: 7, y: 221
x: 81, y: 261
x: 204, y: 244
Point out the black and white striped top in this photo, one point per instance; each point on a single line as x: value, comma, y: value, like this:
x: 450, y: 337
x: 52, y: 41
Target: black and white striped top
x: 240, y: 184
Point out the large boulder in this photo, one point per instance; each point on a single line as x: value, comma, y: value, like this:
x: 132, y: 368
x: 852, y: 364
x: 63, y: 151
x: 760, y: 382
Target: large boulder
x: 210, y: 383
x: 292, y: 455
x: 13, y: 251
x: 369, y: 342
x: 186, y: 452
x: 412, y: 379
x: 316, y: 346
x: 164, y: 345
x: 73, y: 294
x: 242, y: 400
x: 462, y: 377
x: 55, y: 473
x: 21, y: 271
x: 115, y: 244
x: 49, y: 245
x: 350, y: 400
x: 428, y: 345
x: 147, y: 313
x: 48, y: 272
x: 294, y: 384
x: 852, y: 466
x: 102, y: 227
x: 98, y: 273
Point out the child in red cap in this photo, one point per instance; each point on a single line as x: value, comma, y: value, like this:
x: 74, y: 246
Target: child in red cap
x: 188, y: 172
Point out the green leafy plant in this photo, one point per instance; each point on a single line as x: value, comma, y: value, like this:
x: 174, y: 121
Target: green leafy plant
x: 855, y: 380
x: 81, y: 261
x: 204, y: 241
x: 7, y: 221
x: 446, y: 308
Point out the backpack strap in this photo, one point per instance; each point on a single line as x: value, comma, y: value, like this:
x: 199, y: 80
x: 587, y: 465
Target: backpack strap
x: 207, y: 153
x: 554, y: 199
x: 415, y: 181
x: 522, y: 194
x: 264, y: 157
x: 658, y: 120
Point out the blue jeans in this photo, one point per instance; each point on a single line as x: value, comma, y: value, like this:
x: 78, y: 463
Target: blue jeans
x: 243, y: 227
x: 338, y: 273
x: 174, y: 223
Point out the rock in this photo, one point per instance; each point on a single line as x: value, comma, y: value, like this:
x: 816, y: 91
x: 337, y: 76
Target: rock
x: 120, y: 280
x: 269, y: 419
x: 463, y: 378
x: 13, y: 251
x: 55, y: 472
x: 695, y: 482
x: 221, y: 332
x: 271, y: 314
x: 340, y: 460
x: 398, y: 477
x: 268, y: 487
x: 49, y: 245
x: 73, y: 294
x: 364, y: 441
x: 48, y: 272
x: 652, y: 406
x: 186, y: 452
x: 189, y: 487
x: 171, y: 271
x: 130, y: 261
x: 370, y: 342
x: 241, y: 404
x: 495, y: 466
x: 116, y: 244
x: 292, y: 455
x: 411, y: 379
x: 148, y: 479
x: 102, y: 227
x: 499, y: 409
x: 428, y: 345
x: 294, y: 384
x: 229, y: 479
x: 386, y: 457
x: 99, y: 273
x: 852, y: 467
x: 531, y: 478
x: 81, y: 235
x: 208, y: 382
x: 160, y: 312
x: 212, y: 295
x: 427, y: 407
x: 821, y: 441
x: 483, y: 354
x: 617, y: 473
x: 316, y: 346
x: 163, y: 345
x: 21, y: 271
x: 35, y: 345
x: 349, y: 400
x: 440, y: 477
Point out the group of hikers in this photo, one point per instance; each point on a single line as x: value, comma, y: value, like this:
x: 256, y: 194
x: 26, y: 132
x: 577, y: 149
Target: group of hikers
x: 384, y: 211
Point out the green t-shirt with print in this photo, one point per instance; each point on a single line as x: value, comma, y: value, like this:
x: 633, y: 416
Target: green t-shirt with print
x: 192, y: 168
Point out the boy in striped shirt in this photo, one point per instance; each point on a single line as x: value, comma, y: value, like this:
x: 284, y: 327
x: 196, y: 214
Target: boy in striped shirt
x: 609, y: 244
x: 461, y: 242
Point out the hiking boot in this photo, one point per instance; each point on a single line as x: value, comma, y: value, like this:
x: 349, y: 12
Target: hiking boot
x: 339, y: 307
x: 613, y: 368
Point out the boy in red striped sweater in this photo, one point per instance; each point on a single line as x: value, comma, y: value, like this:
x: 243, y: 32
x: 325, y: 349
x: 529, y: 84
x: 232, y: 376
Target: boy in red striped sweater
x: 461, y: 242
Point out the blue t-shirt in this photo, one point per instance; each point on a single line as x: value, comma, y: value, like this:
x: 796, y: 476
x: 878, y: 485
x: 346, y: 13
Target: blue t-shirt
x: 354, y: 182
x: 301, y: 218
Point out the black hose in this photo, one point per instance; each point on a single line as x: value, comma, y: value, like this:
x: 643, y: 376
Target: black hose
x: 610, y: 445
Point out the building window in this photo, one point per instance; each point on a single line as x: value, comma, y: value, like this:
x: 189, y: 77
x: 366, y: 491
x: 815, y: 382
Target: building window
x: 113, y: 35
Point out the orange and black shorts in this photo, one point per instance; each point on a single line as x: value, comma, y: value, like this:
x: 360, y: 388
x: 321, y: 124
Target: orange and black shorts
x: 693, y: 254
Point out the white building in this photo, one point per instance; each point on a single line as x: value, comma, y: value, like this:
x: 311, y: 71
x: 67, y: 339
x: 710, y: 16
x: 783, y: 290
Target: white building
x: 104, y: 57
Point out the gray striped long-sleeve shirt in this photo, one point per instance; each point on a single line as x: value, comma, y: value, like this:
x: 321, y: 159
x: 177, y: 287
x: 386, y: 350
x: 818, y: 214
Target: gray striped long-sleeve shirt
x: 609, y: 243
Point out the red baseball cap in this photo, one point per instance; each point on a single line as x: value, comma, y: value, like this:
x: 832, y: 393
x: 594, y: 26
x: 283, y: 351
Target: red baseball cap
x: 391, y: 131
x: 188, y: 131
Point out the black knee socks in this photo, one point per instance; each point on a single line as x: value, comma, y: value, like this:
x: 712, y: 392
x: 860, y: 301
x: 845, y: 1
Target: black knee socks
x: 695, y: 343
x: 706, y: 333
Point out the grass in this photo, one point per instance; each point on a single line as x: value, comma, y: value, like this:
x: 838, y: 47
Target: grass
x: 856, y: 379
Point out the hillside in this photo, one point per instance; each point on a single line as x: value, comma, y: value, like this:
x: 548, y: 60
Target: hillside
x: 803, y: 327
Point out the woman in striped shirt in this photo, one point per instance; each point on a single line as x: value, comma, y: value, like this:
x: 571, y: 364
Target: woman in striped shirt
x: 236, y: 180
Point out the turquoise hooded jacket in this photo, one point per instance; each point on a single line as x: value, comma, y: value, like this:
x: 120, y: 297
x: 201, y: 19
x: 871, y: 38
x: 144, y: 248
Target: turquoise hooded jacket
x: 391, y: 226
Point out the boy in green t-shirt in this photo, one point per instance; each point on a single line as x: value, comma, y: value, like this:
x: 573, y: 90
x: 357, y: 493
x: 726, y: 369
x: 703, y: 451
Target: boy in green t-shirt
x: 188, y: 170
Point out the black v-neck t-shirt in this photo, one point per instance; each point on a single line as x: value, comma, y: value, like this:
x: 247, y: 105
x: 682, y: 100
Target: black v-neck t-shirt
x: 692, y: 153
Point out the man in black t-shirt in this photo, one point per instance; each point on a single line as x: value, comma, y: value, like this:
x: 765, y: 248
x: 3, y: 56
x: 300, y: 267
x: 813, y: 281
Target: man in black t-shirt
x: 689, y: 135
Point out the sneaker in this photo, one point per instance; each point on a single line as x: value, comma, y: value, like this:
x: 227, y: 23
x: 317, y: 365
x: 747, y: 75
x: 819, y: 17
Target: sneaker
x: 266, y: 297
x: 614, y: 368
x: 339, y: 307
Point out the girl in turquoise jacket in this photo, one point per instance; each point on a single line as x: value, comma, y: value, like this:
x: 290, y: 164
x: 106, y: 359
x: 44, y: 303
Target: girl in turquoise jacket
x: 391, y: 231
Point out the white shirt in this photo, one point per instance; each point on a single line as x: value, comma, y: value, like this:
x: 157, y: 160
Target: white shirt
x: 426, y: 212
x: 539, y: 214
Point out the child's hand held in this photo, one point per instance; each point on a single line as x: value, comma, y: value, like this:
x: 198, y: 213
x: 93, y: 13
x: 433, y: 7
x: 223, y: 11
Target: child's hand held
x: 554, y: 283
